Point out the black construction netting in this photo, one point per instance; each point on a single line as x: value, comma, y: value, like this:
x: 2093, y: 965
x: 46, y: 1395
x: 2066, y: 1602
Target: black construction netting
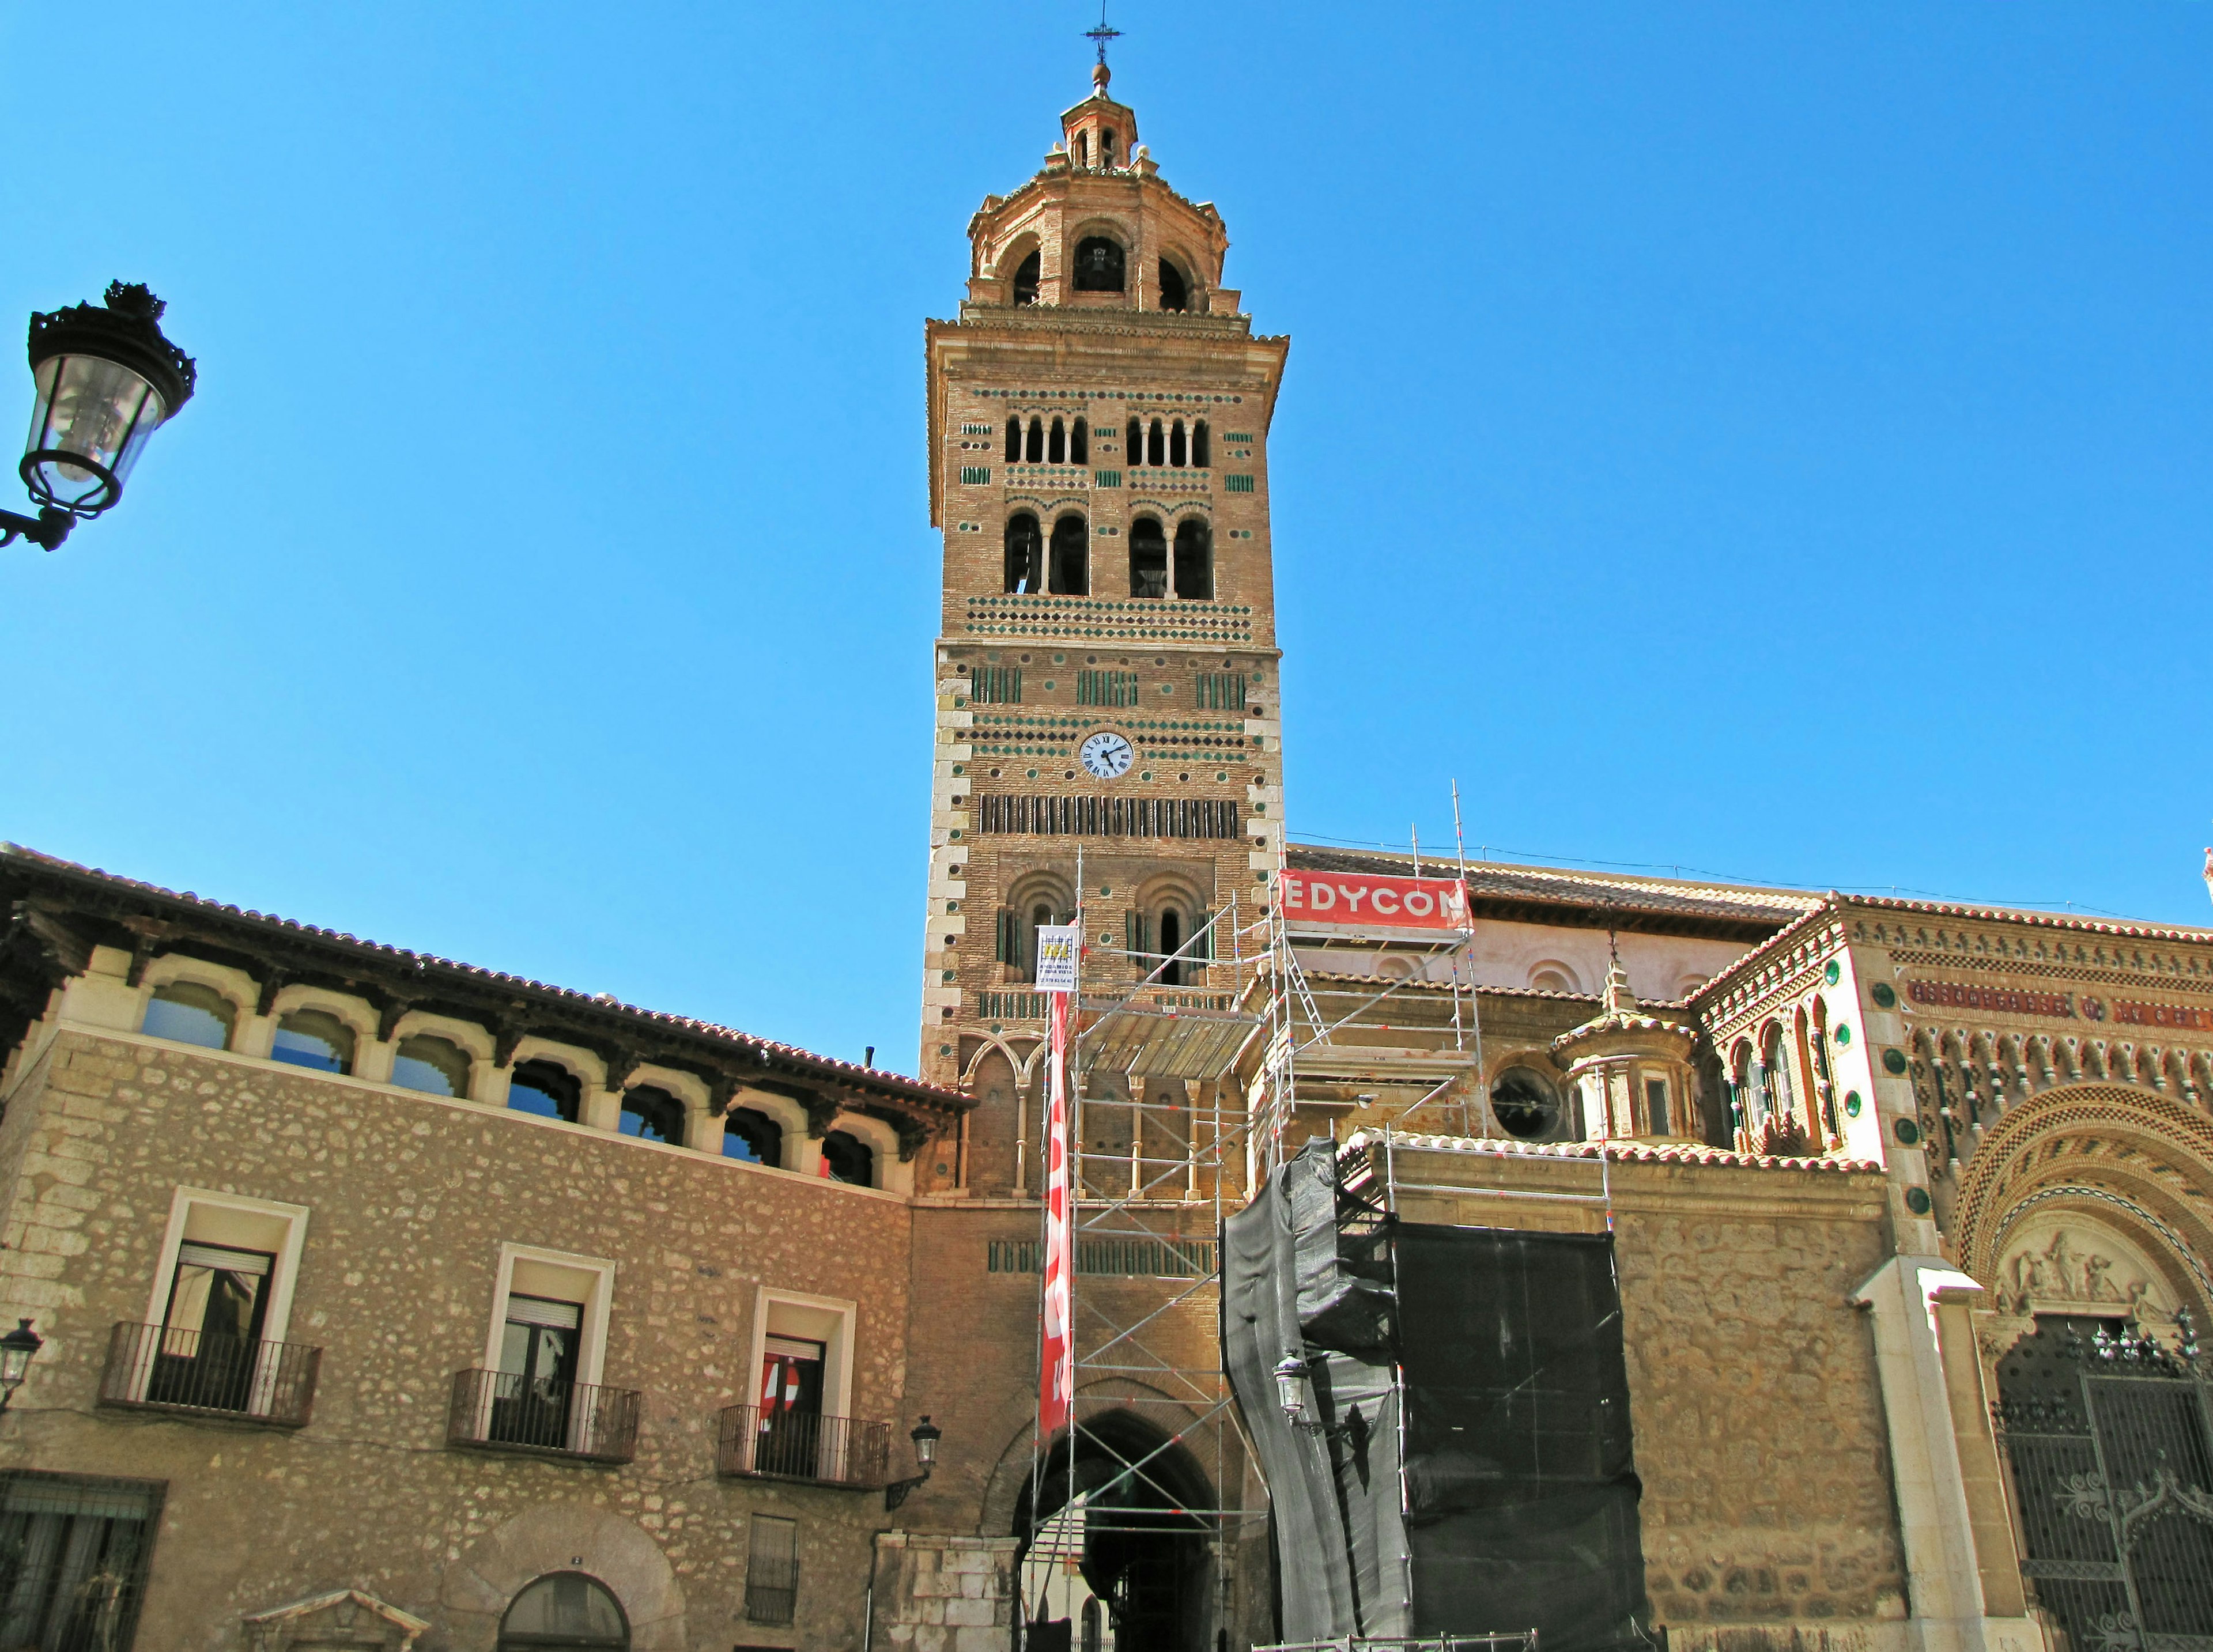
x: 1516, y: 1504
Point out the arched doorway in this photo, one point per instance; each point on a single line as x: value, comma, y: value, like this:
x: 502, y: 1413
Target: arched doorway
x: 1107, y: 1520
x: 566, y: 1610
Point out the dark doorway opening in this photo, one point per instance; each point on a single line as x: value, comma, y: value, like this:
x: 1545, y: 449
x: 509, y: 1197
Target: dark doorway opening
x: 1147, y: 1560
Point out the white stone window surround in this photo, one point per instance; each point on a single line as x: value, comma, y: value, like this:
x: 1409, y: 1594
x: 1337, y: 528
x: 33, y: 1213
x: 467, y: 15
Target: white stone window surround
x: 559, y: 1275
x: 202, y: 1215
x: 829, y: 1320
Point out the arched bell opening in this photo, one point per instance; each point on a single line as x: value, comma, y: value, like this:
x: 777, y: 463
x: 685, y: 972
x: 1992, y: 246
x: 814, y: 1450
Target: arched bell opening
x: 1110, y: 1500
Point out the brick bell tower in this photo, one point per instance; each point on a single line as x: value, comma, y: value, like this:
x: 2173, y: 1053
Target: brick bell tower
x: 1106, y: 670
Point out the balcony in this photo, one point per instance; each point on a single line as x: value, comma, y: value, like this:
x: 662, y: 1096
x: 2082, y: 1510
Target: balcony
x: 833, y: 1451
x: 158, y: 1369
x: 505, y: 1410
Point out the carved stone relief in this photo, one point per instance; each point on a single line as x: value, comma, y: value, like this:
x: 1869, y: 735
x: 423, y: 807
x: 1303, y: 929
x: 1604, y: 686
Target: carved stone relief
x: 2066, y: 1263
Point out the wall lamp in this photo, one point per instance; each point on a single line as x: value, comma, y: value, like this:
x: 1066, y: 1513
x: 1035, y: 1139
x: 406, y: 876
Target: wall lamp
x: 106, y: 380
x: 1293, y: 1388
x: 17, y: 1349
x: 926, y: 1435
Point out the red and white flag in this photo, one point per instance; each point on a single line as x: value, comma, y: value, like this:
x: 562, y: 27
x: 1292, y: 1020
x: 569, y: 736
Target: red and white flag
x: 1057, y: 1370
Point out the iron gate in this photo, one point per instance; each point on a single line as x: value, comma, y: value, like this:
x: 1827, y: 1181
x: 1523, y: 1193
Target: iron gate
x: 2110, y: 1438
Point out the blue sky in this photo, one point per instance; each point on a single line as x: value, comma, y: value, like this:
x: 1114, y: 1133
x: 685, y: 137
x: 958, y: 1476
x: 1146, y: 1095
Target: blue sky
x: 1766, y: 440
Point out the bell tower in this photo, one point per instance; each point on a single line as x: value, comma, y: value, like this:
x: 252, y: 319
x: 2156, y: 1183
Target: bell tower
x: 1105, y: 665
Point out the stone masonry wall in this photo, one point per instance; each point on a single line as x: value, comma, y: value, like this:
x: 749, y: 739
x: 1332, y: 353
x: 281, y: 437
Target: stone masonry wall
x: 411, y: 1198
x: 1757, y: 1417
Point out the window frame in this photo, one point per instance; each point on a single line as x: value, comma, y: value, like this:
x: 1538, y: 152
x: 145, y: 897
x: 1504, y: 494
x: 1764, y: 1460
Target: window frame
x: 88, y: 1488
x: 592, y: 1344
x: 283, y: 1272
x: 836, y: 1315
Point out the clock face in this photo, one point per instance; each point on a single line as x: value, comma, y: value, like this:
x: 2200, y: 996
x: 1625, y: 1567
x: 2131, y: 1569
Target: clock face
x: 1107, y: 755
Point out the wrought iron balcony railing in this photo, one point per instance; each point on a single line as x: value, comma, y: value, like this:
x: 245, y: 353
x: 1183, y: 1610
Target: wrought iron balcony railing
x: 162, y: 1369
x: 505, y: 1410
x: 839, y: 1451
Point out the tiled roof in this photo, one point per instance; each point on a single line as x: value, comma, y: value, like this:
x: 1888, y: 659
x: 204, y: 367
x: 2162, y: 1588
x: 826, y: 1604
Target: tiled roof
x: 1836, y: 900
x: 1421, y: 985
x: 1582, y: 890
x: 827, y: 1066
x: 2024, y: 915
x: 1624, y: 1153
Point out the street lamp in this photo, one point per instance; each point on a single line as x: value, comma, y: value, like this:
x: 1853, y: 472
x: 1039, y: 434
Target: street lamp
x: 17, y: 1349
x: 926, y: 1435
x: 1291, y: 1388
x: 106, y: 378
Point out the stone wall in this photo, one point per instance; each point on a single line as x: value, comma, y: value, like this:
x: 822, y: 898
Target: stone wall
x: 410, y: 1199
x: 944, y: 1593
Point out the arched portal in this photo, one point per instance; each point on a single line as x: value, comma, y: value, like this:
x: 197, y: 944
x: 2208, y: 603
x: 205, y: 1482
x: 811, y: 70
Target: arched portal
x: 1111, y: 1502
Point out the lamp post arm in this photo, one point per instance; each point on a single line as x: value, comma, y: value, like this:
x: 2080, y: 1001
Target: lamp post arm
x: 47, y: 529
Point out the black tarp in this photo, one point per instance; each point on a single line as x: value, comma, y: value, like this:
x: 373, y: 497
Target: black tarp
x: 1522, y: 1487
x: 1258, y: 1324
x: 1517, y: 1507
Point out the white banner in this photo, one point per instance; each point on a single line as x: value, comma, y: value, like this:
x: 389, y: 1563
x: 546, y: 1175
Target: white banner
x: 1057, y: 947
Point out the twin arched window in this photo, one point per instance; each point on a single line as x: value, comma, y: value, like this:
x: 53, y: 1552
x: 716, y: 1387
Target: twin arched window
x: 1170, y: 443
x: 1062, y: 566
x: 1193, y: 565
x: 1169, y: 945
x: 1060, y: 444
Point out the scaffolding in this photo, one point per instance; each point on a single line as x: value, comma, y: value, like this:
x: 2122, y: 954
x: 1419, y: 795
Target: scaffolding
x: 1346, y: 1040
x: 1159, y: 1154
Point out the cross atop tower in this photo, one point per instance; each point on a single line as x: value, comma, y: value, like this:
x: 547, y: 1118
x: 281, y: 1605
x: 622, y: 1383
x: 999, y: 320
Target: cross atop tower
x: 1099, y: 37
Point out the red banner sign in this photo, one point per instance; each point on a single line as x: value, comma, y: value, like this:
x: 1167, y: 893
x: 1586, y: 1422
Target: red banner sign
x: 1365, y: 901
x: 1056, y: 1369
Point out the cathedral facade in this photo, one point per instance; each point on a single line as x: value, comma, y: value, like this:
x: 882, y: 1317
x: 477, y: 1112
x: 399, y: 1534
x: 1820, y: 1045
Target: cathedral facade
x: 370, y: 1299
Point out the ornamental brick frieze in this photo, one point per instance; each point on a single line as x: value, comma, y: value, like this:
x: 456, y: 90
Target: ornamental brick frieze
x: 1992, y: 949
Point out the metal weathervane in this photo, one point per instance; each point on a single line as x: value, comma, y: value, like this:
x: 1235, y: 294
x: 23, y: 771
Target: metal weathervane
x: 1102, y: 34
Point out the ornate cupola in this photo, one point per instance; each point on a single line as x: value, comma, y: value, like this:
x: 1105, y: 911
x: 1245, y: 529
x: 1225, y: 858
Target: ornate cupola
x: 1100, y: 134
x: 1097, y: 229
x: 1631, y: 1069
